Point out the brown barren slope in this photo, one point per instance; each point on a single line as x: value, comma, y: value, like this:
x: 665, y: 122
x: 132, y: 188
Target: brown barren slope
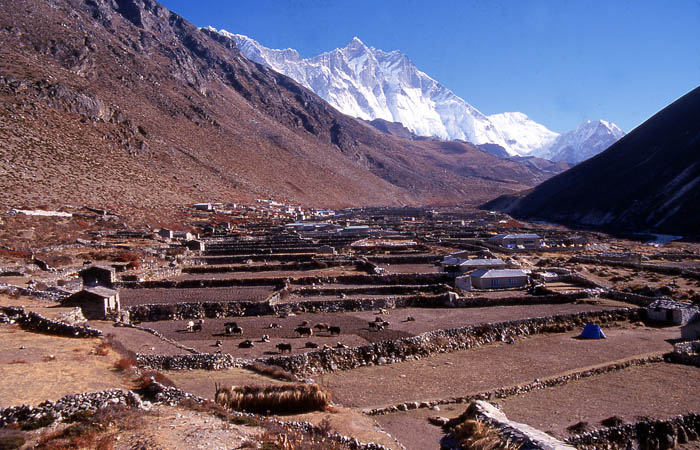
x: 124, y: 105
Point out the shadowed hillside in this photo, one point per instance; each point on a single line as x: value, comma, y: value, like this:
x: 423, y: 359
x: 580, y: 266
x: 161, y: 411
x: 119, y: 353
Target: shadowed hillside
x: 647, y: 181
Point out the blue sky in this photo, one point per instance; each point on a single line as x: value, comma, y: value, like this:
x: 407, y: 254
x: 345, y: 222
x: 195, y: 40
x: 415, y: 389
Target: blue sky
x: 559, y: 62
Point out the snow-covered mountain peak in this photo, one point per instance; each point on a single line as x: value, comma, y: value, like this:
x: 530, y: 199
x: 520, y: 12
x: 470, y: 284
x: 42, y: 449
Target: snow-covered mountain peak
x: 370, y: 83
x: 356, y: 42
x: 588, y: 139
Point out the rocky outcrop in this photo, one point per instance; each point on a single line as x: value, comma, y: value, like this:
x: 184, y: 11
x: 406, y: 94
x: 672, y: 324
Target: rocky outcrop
x: 520, y: 434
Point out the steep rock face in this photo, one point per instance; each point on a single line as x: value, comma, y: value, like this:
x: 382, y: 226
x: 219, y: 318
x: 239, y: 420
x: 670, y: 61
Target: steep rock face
x: 126, y: 106
x: 586, y: 141
x: 647, y: 181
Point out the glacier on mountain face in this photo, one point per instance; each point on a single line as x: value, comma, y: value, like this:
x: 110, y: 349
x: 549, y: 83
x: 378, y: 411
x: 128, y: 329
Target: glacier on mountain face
x: 369, y: 83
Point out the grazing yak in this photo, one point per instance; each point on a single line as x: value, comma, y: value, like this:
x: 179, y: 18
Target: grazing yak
x: 274, y: 325
x: 218, y: 343
x: 193, y: 327
x: 322, y: 326
x: 334, y: 330
x: 284, y: 347
x: 304, y: 331
x: 265, y: 338
x: 375, y: 326
x: 247, y: 344
x: 232, y: 328
x: 311, y: 345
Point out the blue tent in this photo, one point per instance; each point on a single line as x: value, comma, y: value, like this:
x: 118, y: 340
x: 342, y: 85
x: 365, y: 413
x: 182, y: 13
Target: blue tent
x: 592, y: 332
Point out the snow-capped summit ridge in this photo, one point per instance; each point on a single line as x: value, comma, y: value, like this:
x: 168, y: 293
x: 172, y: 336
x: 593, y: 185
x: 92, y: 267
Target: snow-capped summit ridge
x: 370, y: 83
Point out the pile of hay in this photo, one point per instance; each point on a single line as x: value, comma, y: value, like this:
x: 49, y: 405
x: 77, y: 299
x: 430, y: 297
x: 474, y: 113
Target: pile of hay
x: 274, y: 399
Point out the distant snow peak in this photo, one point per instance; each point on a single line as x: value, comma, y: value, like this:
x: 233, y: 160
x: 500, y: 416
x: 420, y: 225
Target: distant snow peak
x: 369, y: 83
x: 586, y: 141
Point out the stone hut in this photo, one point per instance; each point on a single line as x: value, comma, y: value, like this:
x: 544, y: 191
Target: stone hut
x: 195, y: 245
x: 468, y: 265
x: 165, y: 233
x: 464, y: 283
x: 325, y: 250
x: 96, y: 303
x: 98, y: 275
x: 671, y: 311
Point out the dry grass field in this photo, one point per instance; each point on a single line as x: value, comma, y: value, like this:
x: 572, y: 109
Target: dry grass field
x: 37, y: 367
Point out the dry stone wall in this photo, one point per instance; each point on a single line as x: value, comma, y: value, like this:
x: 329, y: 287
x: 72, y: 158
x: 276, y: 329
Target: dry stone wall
x: 33, y: 321
x: 66, y: 407
x: 180, y: 311
x: 519, y: 389
x: 647, y: 434
x: 686, y: 353
x: 391, y: 351
x: 438, y: 341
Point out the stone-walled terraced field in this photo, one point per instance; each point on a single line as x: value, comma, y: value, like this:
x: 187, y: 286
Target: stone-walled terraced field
x: 132, y: 297
x: 354, y: 326
x: 658, y: 391
x: 489, y: 367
